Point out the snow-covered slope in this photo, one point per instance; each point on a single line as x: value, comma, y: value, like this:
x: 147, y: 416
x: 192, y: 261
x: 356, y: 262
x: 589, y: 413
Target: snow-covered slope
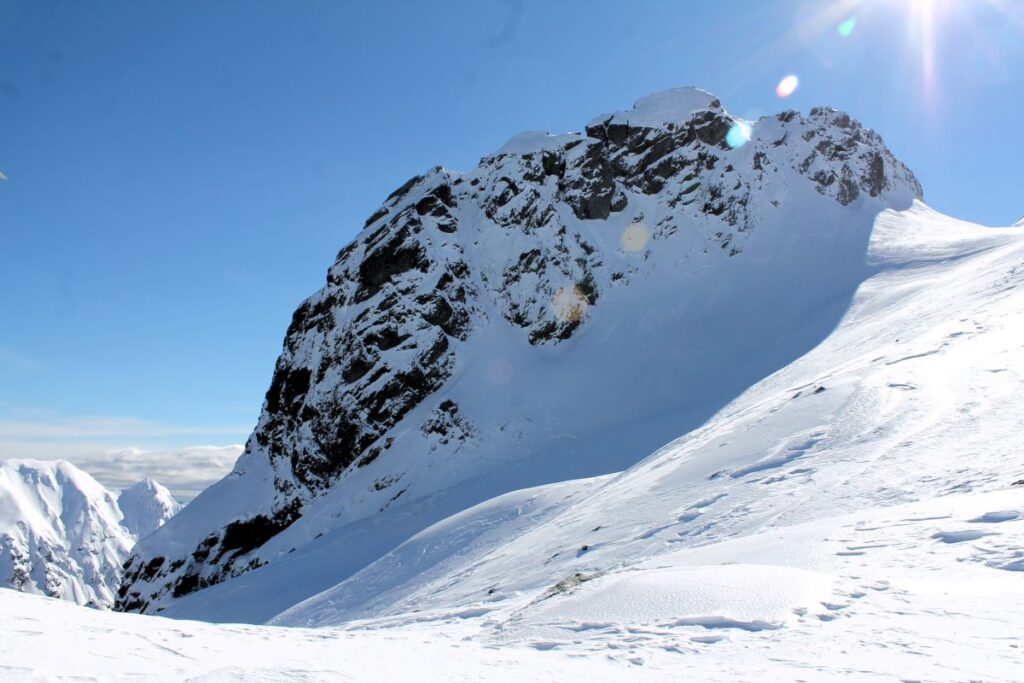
x: 856, y: 516
x: 912, y: 401
x: 107, y: 646
x: 63, y: 534
x: 568, y: 306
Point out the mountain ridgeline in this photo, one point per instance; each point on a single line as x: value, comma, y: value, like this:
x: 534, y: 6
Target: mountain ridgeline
x: 572, y: 301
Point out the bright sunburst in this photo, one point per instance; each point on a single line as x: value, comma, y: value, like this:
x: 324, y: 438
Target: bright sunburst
x: 931, y: 28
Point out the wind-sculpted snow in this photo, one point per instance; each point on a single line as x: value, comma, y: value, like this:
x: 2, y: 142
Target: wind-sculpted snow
x: 563, y: 308
x: 64, y: 535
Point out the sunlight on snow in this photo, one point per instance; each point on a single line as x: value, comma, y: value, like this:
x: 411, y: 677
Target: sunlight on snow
x: 738, y: 135
x: 569, y: 304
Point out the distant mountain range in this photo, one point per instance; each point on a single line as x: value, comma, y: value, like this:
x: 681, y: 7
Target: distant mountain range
x: 64, y: 535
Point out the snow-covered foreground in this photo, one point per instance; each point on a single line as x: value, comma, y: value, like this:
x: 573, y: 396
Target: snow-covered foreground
x: 858, y: 515
x: 45, y: 639
x: 912, y: 592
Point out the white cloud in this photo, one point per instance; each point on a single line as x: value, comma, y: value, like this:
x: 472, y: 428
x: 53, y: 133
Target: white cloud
x: 120, y: 451
x: 89, y: 427
x: 186, y: 471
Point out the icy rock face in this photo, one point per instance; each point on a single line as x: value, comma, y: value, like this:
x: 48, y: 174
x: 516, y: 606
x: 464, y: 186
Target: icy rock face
x: 146, y: 506
x: 525, y: 247
x: 62, y: 533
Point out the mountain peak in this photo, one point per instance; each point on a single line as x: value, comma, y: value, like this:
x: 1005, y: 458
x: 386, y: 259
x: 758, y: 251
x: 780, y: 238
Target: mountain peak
x: 65, y: 535
x: 492, y: 326
x: 674, y: 106
x: 59, y: 532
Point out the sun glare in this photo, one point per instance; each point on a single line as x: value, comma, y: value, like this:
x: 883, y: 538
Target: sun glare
x: 933, y: 40
x: 738, y: 135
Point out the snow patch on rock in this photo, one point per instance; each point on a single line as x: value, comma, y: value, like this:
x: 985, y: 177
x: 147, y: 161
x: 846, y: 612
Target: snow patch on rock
x: 670, y: 106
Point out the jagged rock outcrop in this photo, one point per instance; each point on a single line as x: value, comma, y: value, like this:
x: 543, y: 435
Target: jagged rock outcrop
x: 394, y: 376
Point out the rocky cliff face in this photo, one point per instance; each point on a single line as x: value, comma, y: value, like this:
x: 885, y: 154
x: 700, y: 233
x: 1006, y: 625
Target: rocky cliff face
x: 479, y: 317
x: 63, y: 534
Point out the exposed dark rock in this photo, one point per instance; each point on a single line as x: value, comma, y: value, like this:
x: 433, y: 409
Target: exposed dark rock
x: 376, y: 216
x: 395, y: 257
x: 245, y: 535
x: 398, y: 194
x: 590, y: 189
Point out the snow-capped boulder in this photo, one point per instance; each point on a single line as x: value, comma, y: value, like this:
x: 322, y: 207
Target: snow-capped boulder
x: 572, y: 302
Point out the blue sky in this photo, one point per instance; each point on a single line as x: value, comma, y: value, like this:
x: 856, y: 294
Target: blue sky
x: 180, y: 175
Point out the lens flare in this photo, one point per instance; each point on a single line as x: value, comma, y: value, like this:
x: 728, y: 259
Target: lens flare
x: 738, y: 135
x: 635, y: 237
x: 569, y: 304
x: 846, y: 28
x: 787, y: 86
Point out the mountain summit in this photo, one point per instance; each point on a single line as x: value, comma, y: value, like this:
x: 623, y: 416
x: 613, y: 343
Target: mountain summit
x: 561, y: 310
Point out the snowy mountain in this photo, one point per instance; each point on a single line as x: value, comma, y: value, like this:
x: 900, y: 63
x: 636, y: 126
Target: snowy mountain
x: 857, y: 515
x: 513, y: 282
x: 794, y: 457
x: 568, y: 306
x: 888, y: 456
x: 63, y: 534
